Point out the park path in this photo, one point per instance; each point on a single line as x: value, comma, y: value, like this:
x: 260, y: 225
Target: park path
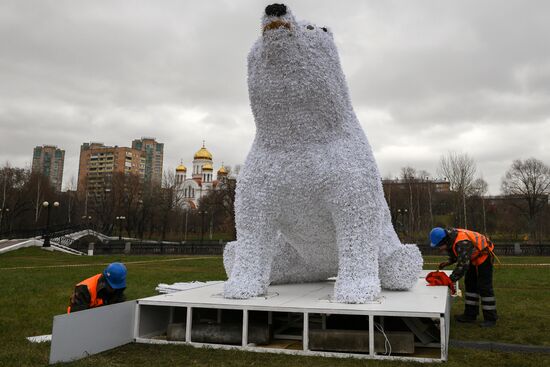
x: 8, y: 243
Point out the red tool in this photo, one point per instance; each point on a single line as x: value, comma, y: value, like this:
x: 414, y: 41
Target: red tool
x: 440, y: 278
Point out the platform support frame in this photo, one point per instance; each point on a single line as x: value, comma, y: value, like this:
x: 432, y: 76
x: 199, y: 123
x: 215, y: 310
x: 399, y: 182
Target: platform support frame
x: 245, y: 328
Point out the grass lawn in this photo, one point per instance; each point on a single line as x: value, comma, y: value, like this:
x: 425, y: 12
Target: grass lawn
x: 33, y: 291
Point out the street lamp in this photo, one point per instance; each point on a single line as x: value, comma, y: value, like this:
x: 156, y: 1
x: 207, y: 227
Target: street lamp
x: 186, y: 209
x: 401, y: 213
x: 119, y: 220
x: 202, y: 212
x: 87, y: 219
x: 4, y: 212
x: 211, y: 223
x: 141, y: 221
x: 46, y: 237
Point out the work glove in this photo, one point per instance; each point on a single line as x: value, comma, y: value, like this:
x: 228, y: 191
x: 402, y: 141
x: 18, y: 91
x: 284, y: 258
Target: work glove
x: 451, y: 286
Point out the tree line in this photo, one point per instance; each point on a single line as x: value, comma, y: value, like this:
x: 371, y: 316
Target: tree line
x: 125, y: 207
x: 416, y: 200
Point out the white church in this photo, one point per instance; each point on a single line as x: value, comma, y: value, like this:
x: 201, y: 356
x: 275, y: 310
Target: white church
x: 191, y: 189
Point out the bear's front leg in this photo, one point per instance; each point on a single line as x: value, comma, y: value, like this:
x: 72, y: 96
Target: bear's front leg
x: 357, y: 230
x: 253, y: 251
x: 248, y: 266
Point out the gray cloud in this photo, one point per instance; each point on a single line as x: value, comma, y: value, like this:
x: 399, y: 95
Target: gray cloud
x: 425, y: 77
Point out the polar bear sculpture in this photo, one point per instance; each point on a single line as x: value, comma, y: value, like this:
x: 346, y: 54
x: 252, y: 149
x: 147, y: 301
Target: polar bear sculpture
x: 309, y: 202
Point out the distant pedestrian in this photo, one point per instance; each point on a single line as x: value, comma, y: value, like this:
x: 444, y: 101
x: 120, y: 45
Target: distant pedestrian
x: 473, y: 254
x: 102, y: 289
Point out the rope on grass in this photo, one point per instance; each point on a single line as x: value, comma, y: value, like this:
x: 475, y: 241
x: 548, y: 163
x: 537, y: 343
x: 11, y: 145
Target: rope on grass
x: 104, y: 264
x: 500, y: 347
x: 195, y: 258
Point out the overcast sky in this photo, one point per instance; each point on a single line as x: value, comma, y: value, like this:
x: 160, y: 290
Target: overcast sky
x: 426, y: 77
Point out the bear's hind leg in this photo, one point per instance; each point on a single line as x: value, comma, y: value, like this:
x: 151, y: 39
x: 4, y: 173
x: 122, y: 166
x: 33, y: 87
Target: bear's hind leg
x: 289, y: 266
x: 400, y: 265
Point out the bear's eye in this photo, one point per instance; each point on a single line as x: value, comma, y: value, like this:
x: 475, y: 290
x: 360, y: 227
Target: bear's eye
x: 324, y: 29
x: 310, y: 27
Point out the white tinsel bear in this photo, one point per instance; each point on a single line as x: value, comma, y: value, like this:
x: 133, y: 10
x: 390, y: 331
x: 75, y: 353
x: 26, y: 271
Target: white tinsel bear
x: 309, y: 201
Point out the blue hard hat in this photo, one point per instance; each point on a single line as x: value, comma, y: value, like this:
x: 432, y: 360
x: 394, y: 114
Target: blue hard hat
x: 115, y: 274
x: 436, y: 236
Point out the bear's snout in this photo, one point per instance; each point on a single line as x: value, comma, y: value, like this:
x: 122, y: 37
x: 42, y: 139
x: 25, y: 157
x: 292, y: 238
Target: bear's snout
x: 276, y: 10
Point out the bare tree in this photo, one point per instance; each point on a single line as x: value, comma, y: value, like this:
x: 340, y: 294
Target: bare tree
x: 13, y: 201
x: 171, y: 199
x: 408, y: 174
x: 530, y: 181
x: 479, y: 188
x: 71, y: 202
x: 221, y: 204
x: 460, y: 170
x: 425, y: 177
x: 18, y: 200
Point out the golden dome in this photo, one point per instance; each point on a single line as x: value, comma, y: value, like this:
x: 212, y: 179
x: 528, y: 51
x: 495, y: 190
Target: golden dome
x: 207, y: 167
x: 203, y: 153
x: 181, y: 168
x: 222, y: 171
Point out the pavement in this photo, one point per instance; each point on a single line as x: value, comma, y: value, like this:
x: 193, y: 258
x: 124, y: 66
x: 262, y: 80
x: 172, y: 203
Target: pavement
x: 9, y: 243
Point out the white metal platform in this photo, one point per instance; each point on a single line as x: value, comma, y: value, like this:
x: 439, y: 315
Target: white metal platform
x: 288, y: 317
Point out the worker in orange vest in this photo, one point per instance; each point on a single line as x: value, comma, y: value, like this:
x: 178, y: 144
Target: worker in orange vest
x: 105, y: 288
x: 473, y: 254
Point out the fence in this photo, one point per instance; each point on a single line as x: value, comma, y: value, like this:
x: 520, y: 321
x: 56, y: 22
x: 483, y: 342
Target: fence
x: 159, y: 248
x: 216, y: 248
x: 54, y: 230
x: 503, y: 249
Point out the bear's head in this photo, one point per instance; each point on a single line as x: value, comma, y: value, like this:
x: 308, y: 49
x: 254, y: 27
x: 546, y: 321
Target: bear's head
x: 294, y: 68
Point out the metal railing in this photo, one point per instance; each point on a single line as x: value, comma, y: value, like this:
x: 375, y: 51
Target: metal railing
x: 503, y: 249
x: 155, y: 248
x: 36, y: 232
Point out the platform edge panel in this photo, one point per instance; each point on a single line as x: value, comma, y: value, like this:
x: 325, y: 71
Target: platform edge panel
x: 91, y: 338
x: 293, y: 309
x: 288, y: 351
x: 309, y: 299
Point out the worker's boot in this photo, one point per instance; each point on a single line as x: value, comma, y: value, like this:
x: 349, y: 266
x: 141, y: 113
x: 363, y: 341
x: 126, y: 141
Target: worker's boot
x: 488, y: 323
x: 465, y: 318
x: 490, y: 317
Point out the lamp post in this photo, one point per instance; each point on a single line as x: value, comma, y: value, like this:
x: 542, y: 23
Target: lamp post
x: 4, y: 213
x: 401, y: 213
x: 186, y: 209
x: 47, y: 206
x: 211, y: 223
x: 119, y: 220
x: 141, y: 222
x: 88, y: 220
x: 202, y: 212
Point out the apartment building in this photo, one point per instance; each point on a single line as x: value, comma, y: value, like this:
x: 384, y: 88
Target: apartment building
x: 48, y: 160
x: 153, y: 152
x: 98, y: 164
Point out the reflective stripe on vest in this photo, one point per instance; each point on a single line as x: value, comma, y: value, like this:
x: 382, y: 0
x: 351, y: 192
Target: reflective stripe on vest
x: 91, y: 284
x: 482, y: 246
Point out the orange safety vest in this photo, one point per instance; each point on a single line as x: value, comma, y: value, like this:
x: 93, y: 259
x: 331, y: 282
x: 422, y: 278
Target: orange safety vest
x: 483, y: 247
x: 91, y: 284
